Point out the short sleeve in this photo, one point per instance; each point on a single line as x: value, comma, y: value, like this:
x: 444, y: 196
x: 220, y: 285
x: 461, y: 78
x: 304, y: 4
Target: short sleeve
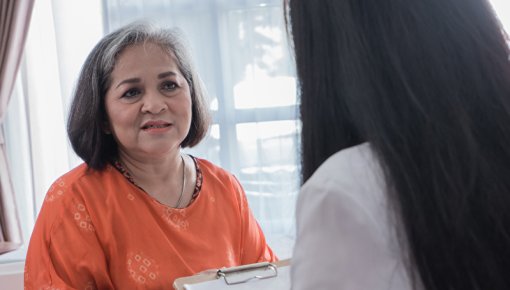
x: 64, y: 250
x: 254, y: 247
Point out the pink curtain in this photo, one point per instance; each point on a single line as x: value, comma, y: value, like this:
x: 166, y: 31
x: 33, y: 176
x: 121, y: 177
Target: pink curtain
x: 14, y: 21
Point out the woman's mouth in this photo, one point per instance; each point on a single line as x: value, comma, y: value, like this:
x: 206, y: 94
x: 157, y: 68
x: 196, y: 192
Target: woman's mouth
x: 145, y: 127
x: 156, y: 126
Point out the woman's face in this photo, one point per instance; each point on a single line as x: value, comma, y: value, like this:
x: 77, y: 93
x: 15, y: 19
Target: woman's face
x: 148, y: 103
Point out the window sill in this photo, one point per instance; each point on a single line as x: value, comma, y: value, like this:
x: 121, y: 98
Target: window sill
x: 13, y: 257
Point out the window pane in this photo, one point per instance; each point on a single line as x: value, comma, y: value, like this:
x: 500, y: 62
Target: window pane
x: 265, y: 92
x: 259, y: 68
x: 268, y: 171
x: 209, y: 148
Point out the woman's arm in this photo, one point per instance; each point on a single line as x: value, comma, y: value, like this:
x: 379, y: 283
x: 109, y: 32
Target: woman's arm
x: 254, y: 247
x: 64, y: 250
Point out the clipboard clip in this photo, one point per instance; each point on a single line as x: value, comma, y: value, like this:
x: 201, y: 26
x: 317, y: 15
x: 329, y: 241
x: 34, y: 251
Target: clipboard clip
x: 245, y: 273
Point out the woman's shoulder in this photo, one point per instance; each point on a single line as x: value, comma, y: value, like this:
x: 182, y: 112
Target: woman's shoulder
x: 81, y: 188
x: 217, y: 181
x: 353, y: 173
x: 61, y: 198
x: 348, y: 165
x: 209, y: 168
x: 61, y: 185
x: 80, y: 177
x: 345, y: 199
x: 83, y: 172
x: 355, y: 156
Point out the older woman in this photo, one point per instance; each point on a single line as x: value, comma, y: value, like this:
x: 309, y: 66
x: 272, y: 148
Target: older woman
x: 139, y: 213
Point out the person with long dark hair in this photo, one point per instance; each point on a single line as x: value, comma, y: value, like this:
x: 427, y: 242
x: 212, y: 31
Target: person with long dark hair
x: 405, y: 109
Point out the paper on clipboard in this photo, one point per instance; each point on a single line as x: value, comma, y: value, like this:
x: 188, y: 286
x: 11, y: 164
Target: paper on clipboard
x: 268, y: 276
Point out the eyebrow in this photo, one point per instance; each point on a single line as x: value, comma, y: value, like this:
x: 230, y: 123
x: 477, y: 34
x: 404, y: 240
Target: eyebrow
x: 137, y: 80
x: 129, y: 81
x: 166, y: 74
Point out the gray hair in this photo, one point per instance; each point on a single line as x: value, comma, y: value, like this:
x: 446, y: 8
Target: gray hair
x: 171, y: 40
x: 88, y: 114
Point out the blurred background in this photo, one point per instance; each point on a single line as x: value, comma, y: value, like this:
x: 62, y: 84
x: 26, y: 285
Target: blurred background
x: 240, y: 49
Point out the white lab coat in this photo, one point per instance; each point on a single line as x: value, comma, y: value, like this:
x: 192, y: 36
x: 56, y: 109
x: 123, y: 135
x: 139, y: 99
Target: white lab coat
x: 346, y: 238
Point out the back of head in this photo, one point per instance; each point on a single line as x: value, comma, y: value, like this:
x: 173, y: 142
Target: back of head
x: 87, y: 116
x: 427, y: 83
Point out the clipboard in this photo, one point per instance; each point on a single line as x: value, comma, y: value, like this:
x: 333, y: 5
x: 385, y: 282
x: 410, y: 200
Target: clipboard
x: 263, y: 275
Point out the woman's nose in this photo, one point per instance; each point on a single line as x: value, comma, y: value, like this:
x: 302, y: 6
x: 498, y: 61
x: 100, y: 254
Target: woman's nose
x: 153, y: 103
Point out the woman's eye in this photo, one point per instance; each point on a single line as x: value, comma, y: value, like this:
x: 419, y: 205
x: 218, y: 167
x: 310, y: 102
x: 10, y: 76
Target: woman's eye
x: 169, y: 86
x: 131, y: 93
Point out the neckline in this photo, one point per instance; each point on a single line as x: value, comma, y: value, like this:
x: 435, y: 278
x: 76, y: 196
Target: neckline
x: 198, y: 183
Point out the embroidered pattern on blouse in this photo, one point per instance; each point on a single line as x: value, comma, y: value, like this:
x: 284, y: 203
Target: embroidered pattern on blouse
x: 142, y: 269
x: 56, y: 190
x: 82, y: 218
x: 177, y: 219
x: 129, y: 177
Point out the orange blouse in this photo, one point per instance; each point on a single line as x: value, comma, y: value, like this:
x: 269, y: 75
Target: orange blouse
x: 97, y: 230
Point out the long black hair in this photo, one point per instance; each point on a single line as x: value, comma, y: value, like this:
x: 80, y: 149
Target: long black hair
x: 427, y: 84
